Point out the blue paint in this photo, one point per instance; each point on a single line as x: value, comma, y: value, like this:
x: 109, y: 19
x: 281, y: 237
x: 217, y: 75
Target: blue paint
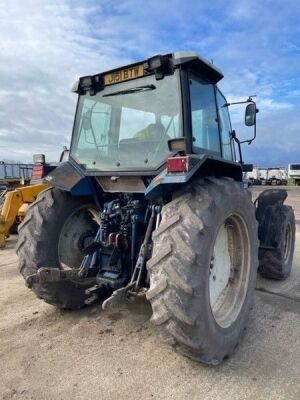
x: 83, y: 188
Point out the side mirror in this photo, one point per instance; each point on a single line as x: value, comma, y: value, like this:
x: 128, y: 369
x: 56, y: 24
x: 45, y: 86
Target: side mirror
x: 247, y: 167
x: 250, y: 114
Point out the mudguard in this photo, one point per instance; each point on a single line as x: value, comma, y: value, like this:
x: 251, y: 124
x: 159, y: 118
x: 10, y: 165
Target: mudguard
x: 200, y: 165
x: 67, y: 176
x: 270, y: 216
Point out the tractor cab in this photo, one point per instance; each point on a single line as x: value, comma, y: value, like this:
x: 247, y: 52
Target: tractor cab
x: 134, y: 118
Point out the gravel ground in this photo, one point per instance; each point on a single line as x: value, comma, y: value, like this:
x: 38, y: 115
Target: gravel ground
x: 90, y: 354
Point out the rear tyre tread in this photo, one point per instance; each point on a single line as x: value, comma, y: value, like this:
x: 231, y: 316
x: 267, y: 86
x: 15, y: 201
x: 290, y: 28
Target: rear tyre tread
x: 175, y: 261
x: 32, y: 251
x: 272, y: 264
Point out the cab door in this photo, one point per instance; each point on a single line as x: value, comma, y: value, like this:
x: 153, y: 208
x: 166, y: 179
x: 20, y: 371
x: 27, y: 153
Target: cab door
x: 204, y: 117
x: 225, y: 127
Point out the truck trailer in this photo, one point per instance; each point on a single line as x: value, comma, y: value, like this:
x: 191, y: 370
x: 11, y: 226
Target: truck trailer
x: 294, y: 173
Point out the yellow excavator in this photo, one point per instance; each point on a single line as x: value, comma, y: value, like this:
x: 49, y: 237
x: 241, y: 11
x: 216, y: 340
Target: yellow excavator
x: 14, y: 201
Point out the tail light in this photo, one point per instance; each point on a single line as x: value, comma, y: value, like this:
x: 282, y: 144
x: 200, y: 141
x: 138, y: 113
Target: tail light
x: 177, y: 164
x: 38, y: 172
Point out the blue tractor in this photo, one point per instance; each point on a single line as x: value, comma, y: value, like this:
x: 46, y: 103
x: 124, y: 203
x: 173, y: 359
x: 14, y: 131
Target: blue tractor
x: 151, y: 201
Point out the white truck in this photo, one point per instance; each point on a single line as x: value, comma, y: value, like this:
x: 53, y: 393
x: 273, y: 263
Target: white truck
x: 254, y: 176
x: 294, y: 173
x: 263, y: 175
x: 277, y: 176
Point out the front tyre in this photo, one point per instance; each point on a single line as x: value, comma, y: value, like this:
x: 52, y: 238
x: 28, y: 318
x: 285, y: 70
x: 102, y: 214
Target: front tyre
x: 203, y: 269
x: 56, y: 228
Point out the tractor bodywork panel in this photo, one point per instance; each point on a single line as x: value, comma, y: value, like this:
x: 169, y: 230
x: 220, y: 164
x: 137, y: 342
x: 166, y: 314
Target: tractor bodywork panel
x: 199, y: 166
x: 69, y: 177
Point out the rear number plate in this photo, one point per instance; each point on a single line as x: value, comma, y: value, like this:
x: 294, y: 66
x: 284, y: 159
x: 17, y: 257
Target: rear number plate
x: 124, y: 74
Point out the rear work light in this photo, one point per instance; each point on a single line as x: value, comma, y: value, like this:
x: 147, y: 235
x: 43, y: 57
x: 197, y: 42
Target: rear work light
x: 177, y: 164
x: 38, y: 172
x: 39, y: 158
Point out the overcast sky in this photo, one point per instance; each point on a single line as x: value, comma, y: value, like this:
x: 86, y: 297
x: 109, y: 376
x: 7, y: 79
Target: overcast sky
x: 46, y: 46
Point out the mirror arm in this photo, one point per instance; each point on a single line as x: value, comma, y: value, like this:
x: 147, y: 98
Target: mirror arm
x: 233, y: 135
x: 249, y: 100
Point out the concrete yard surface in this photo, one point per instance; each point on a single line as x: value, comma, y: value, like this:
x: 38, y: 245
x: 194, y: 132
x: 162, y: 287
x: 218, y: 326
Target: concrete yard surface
x: 90, y: 354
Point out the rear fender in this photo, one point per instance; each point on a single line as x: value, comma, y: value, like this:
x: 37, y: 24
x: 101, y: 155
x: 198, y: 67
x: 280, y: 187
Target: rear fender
x: 68, y: 177
x: 199, y: 166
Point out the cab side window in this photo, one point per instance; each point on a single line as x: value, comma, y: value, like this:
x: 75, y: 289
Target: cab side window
x: 204, y: 115
x: 225, y: 127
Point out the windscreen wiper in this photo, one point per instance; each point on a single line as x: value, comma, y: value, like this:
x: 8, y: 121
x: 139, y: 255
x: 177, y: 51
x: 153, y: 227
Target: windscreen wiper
x: 136, y: 89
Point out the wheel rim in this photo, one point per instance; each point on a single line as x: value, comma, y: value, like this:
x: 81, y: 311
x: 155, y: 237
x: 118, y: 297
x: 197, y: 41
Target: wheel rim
x: 229, y: 270
x: 287, y: 242
x: 77, y: 232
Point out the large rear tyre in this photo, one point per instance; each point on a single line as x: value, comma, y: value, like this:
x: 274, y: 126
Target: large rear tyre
x: 56, y: 228
x: 276, y: 262
x: 203, y: 269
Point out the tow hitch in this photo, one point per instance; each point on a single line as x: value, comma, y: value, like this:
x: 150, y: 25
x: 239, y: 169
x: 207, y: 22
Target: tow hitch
x: 46, y: 275
x: 132, y: 289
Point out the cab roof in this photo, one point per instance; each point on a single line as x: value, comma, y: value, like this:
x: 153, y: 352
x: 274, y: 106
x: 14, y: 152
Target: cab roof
x: 159, y: 64
x: 199, y: 63
x: 189, y: 58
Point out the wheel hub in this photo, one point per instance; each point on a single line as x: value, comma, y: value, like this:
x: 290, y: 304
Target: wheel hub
x: 220, y: 268
x: 229, y: 270
x: 77, y: 232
